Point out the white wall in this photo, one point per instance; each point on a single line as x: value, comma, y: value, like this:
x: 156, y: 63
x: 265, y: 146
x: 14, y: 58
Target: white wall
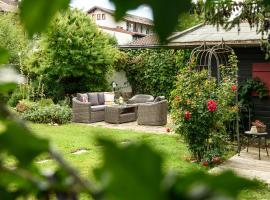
x: 109, y: 20
x: 122, y: 38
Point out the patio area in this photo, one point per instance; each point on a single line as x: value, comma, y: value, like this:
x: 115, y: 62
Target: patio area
x: 133, y: 126
x: 248, y: 165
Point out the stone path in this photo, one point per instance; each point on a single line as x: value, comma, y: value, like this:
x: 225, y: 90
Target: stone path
x: 248, y: 165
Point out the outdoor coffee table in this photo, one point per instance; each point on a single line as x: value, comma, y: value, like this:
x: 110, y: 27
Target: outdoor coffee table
x: 117, y: 114
x: 249, y: 135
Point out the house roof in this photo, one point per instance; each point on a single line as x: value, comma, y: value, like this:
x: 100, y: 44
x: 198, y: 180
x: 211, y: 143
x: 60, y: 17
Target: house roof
x: 8, y: 5
x: 194, y: 36
x: 128, y: 17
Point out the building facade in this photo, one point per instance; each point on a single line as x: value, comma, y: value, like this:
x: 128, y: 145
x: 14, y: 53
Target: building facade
x: 8, y: 5
x: 130, y: 28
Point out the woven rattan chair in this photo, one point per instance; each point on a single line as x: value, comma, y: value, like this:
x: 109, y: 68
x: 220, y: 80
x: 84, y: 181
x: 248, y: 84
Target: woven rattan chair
x: 153, y: 114
x: 141, y: 98
x: 85, y: 113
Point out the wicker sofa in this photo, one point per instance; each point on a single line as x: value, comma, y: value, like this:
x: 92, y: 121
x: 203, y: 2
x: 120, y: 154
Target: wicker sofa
x: 154, y: 113
x: 141, y: 98
x: 91, y: 111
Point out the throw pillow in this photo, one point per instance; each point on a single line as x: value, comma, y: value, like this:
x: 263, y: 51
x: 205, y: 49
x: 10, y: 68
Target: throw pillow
x: 109, y: 98
x: 101, y: 99
x: 82, y: 97
x: 93, y: 98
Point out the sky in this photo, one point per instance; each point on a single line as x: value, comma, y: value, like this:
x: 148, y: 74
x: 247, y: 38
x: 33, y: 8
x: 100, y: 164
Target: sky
x: 142, y: 11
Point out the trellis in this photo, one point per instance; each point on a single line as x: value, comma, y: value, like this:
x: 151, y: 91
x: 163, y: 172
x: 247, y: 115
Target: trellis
x: 211, y: 58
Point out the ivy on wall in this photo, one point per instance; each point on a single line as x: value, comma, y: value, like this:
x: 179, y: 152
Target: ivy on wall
x: 153, y: 71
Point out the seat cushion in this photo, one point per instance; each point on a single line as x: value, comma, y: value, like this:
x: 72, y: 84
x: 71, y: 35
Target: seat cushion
x: 82, y: 97
x: 98, y: 108
x: 93, y: 98
x: 101, y: 99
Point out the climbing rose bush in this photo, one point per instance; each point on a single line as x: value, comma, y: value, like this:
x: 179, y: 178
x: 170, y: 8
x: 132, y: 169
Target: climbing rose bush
x: 201, y: 108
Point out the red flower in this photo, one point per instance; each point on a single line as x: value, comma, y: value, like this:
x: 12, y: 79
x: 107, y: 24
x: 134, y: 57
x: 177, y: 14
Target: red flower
x: 177, y: 98
x: 234, y: 88
x: 216, y: 160
x: 205, y: 163
x: 211, y: 105
x: 187, y: 115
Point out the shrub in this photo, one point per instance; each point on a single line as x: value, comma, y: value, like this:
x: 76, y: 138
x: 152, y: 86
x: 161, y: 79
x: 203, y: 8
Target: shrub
x: 48, y: 114
x: 75, y: 56
x: 25, y: 105
x: 45, y: 102
x: 155, y: 70
x: 201, y: 108
x: 13, y: 37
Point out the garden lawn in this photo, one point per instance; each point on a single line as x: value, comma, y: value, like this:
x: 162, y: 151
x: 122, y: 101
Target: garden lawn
x: 72, y: 137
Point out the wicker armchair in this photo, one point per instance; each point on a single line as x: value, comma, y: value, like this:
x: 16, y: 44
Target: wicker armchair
x: 153, y: 114
x: 85, y: 113
x: 141, y: 98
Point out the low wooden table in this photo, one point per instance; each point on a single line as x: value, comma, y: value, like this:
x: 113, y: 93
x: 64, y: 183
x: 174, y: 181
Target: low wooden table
x: 117, y: 114
x: 249, y: 135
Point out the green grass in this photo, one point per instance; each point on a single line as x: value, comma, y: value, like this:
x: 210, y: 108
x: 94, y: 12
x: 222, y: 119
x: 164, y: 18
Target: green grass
x: 71, y: 137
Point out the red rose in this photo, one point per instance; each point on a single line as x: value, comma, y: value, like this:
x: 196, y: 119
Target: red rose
x: 177, y: 98
x: 168, y: 130
x: 187, y: 115
x: 211, y: 105
x: 205, y: 163
x: 234, y: 88
x: 216, y: 159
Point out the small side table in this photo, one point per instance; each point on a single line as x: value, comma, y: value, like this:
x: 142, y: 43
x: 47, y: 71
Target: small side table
x: 249, y: 135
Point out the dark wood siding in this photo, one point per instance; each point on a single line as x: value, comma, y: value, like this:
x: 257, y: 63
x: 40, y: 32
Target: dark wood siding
x: 246, y: 57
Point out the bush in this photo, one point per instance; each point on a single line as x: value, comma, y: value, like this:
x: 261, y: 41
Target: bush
x: 45, y: 102
x: 48, y: 114
x: 25, y: 105
x: 155, y: 70
x: 75, y: 56
x: 13, y: 37
x: 201, y: 108
x: 15, y: 97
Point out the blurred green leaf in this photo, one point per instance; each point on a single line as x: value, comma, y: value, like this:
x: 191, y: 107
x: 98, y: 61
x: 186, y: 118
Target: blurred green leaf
x: 5, y: 194
x: 6, y: 87
x: 21, y: 143
x: 4, y: 55
x: 36, y: 15
x: 199, y: 185
x: 132, y: 172
x: 165, y: 13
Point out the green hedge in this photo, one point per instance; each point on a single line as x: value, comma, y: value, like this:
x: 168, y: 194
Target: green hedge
x: 154, y: 71
x: 44, y: 111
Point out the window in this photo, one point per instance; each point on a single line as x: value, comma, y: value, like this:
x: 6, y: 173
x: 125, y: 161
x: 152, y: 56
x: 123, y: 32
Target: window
x: 262, y: 71
x: 103, y: 17
x: 147, y: 31
x: 135, y: 29
x: 93, y: 16
x: 141, y: 28
x: 98, y: 16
